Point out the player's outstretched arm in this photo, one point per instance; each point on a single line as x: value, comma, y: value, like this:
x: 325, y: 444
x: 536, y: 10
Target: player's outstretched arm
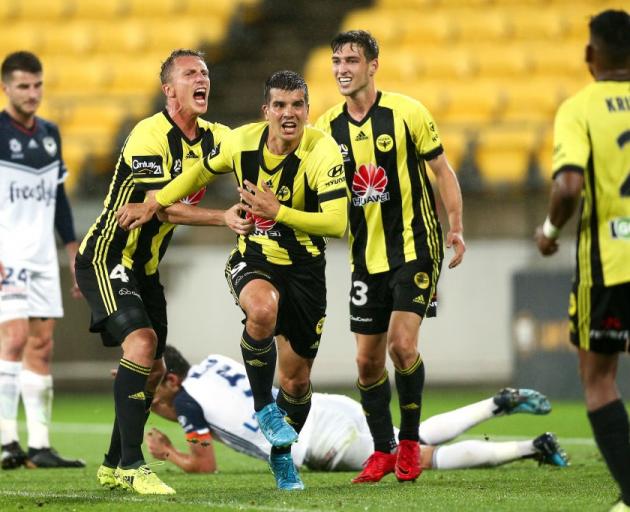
x: 200, y: 458
x: 196, y: 216
x: 452, y: 198
x: 565, y: 196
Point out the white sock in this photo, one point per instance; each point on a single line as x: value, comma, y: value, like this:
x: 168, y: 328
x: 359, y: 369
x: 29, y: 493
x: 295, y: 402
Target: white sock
x: 37, y: 395
x: 472, y: 454
x: 442, y: 428
x: 9, y: 400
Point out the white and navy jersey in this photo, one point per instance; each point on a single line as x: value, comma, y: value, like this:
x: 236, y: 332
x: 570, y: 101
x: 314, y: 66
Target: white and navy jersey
x: 31, y: 168
x: 217, y: 399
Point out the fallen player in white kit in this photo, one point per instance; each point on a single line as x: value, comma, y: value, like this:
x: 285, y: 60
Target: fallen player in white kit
x: 212, y: 401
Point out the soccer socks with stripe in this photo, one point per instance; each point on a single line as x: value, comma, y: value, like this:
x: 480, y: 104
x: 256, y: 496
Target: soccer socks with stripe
x: 409, y: 383
x: 375, y: 400
x: 441, y: 428
x: 129, y: 398
x: 259, y: 357
x: 9, y: 400
x: 37, y: 395
x: 297, y: 409
x: 472, y: 454
x: 611, y: 431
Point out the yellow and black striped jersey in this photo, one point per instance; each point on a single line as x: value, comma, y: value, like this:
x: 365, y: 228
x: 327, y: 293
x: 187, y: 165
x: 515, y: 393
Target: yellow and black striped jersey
x: 592, y: 133
x: 393, y: 217
x: 303, y: 180
x: 155, y: 152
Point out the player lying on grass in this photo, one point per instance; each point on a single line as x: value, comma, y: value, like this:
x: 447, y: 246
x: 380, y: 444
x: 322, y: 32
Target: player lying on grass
x: 212, y: 400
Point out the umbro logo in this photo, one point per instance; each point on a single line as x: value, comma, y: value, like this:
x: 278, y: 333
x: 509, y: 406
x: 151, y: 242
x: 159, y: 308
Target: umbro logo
x: 138, y: 396
x: 361, y: 136
x: 256, y: 362
x: 191, y: 154
x: 410, y: 407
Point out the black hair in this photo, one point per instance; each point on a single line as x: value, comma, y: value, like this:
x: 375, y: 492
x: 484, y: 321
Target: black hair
x: 175, y: 362
x: 286, y: 81
x: 167, y: 65
x: 360, y: 38
x: 612, y: 29
x: 20, y: 61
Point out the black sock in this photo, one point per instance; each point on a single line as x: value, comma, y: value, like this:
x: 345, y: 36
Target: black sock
x: 112, y: 457
x: 409, y: 383
x: 297, y: 409
x: 260, y: 364
x: 129, y: 398
x: 375, y: 401
x: 611, y: 431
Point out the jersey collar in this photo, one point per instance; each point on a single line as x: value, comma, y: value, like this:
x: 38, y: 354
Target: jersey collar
x: 261, y: 156
x: 190, y: 142
x: 369, y: 112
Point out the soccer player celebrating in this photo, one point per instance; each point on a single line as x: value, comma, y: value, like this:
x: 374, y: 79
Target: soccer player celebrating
x: 591, y: 160
x: 32, y: 175
x: 213, y: 401
x: 395, y: 242
x: 117, y: 270
x: 291, y: 181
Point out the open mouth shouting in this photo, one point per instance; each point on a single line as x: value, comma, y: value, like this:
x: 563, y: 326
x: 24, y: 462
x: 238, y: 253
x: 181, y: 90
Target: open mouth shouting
x: 200, y: 96
x: 289, y: 127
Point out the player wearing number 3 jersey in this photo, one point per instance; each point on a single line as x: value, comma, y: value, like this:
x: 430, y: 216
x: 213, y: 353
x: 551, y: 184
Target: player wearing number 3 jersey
x: 592, y: 160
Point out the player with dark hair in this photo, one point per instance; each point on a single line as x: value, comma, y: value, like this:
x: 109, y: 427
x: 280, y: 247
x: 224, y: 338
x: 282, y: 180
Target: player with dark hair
x: 386, y: 140
x: 213, y: 401
x: 591, y: 162
x: 34, y: 204
x: 291, y: 181
x: 117, y: 270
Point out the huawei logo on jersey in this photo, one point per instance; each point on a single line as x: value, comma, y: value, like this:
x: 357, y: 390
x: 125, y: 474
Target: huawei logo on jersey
x: 261, y: 225
x: 193, y: 199
x: 369, y: 184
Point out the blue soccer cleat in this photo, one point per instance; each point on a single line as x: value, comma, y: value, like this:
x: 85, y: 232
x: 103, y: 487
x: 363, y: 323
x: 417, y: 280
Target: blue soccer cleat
x: 274, y: 427
x: 548, y: 451
x: 510, y: 401
x: 285, y: 472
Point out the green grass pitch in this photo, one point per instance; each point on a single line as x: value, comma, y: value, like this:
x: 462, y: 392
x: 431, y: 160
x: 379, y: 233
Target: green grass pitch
x: 82, y: 424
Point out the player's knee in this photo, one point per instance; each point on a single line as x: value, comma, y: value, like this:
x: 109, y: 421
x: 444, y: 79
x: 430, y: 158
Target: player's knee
x: 12, y: 343
x: 295, y: 385
x: 402, y: 349
x: 370, y: 367
x: 262, y: 318
x: 38, y: 350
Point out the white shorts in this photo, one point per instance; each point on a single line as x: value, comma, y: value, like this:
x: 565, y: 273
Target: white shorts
x: 30, y: 294
x: 336, y: 435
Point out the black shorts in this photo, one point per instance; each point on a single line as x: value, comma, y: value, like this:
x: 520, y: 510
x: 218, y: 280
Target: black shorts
x: 122, y: 301
x: 599, y: 317
x: 302, y: 289
x: 410, y: 287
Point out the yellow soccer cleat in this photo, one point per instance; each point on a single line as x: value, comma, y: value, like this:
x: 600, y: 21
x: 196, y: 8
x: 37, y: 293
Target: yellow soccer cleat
x: 141, y: 480
x: 106, y: 477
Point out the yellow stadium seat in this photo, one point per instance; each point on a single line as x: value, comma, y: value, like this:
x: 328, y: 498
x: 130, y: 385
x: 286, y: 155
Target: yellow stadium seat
x: 491, y: 61
x: 123, y: 37
x: 557, y: 59
x: 48, y: 10
x: 479, y: 24
x: 423, y: 29
x: 530, y: 102
x: 455, y: 143
x: 19, y: 36
x: 477, y: 103
x: 184, y: 33
x: 222, y: 9
x: 151, y: 8
x: 98, y: 9
x: 134, y: 78
x: 443, y: 63
x: 67, y: 39
x: 544, y: 154
x: 503, y: 154
x: 383, y: 25
x: 69, y: 78
x: 319, y: 65
x: 8, y: 9
x: 537, y: 24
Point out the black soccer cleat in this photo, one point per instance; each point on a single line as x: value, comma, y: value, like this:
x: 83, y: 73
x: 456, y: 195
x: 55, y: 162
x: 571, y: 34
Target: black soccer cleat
x: 549, y: 451
x: 49, y: 458
x: 13, y: 456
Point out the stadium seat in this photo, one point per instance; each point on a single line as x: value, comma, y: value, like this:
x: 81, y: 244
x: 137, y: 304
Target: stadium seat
x: 544, y: 154
x: 474, y: 104
x: 382, y: 24
x: 19, y: 36
x: 144, y: 9
x: 503, y: 154
x: 122, y: 37
x: 46, y: 10
x: 535, y: 101
x: 66, y: 39
x: 455, y: 143
x: 98, y: 10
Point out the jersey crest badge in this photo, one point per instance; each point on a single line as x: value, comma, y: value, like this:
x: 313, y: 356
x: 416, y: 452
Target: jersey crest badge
x: 50, y: 145
x: 369, y: 184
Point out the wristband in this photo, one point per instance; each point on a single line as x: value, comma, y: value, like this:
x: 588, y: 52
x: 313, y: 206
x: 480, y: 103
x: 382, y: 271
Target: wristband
x: 549, y: 230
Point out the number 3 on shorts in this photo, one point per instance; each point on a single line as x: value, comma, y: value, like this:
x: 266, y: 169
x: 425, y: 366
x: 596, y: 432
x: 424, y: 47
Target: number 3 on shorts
x: 359, y: 293
x: 119, y: 272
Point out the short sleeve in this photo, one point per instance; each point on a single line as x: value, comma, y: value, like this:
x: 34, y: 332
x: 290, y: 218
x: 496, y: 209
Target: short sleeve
x: 571, y: 146
x: 424, y: 132
x: 148, y: 158
x: 190, y: 417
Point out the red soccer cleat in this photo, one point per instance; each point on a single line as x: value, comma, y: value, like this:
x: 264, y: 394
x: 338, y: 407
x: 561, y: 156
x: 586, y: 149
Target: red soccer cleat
x: 408, y: 466
x: 376, y: 467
